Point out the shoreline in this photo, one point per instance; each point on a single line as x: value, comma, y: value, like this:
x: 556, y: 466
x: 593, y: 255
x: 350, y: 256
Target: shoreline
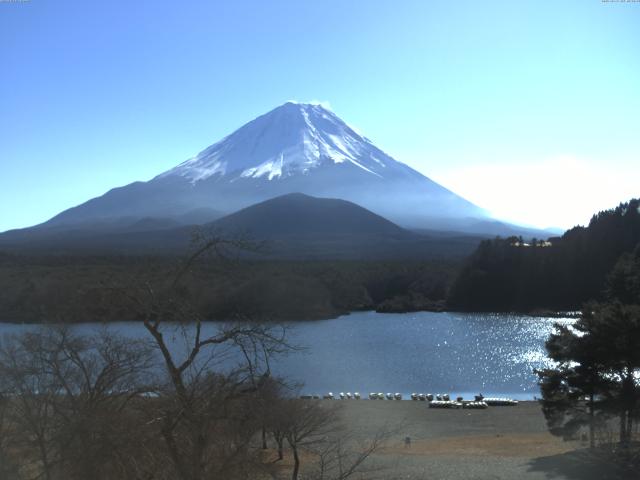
x: 524, y: 398
x: 536, y: 314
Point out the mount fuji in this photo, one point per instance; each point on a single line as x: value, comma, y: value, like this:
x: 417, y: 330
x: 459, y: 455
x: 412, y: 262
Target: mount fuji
x: 296, y: 147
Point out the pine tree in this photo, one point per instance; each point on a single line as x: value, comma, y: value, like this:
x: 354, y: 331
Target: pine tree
x: 597, y: 373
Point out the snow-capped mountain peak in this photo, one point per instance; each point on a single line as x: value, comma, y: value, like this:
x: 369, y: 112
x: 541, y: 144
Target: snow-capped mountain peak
x: 294, y: 138
x: 295, y: 148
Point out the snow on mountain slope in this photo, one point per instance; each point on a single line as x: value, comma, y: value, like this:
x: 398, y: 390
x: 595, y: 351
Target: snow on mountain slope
x: 296, y: 147
x: 293, y: 139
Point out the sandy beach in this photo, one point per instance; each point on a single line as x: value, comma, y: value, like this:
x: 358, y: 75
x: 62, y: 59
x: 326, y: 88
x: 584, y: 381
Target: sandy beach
x: 496, y: 443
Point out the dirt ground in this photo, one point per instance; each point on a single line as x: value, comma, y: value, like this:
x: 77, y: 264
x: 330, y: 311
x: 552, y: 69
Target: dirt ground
x: 496, y: 443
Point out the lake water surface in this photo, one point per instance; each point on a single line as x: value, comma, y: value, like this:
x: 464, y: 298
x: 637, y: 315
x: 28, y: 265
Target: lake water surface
x: 457, y: 353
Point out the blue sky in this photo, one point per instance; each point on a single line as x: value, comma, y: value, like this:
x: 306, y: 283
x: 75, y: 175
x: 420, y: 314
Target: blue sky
x: 528, y: 108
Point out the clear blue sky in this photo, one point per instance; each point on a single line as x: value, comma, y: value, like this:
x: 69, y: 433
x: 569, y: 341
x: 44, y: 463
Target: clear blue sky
x: 529, y: 108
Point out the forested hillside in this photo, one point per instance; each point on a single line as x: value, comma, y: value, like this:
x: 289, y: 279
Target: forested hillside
x: 561, y: 273
x: 80, y: 289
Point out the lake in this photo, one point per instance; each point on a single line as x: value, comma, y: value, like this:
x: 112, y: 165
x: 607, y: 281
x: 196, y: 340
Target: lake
x: 428, y: 352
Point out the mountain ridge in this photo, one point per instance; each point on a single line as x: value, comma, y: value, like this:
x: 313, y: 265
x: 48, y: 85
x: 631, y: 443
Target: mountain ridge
x: 290, y: 227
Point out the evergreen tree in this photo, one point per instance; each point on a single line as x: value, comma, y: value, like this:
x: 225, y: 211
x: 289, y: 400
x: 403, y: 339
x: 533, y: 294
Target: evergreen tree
x: 623, y: 283
x: 614, y: 330
x: 573, y: 393
x: 598, y: 371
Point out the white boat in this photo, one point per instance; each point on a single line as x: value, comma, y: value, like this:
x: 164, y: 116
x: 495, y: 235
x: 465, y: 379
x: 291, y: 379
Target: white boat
x: 475, y: 405
x: 500, y: 402
x: 444, y: 404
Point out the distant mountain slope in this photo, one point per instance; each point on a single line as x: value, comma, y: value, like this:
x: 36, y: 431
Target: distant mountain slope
x: 102, y: 233
x: 293, y: 148
x: 293, y: 226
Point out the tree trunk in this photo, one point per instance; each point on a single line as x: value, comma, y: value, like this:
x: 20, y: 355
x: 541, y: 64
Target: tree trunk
x: 296, y: 463
x: 592, y: 440
x: 45, y: 459
x: 280, y: 448
x: 628, y: 394
x: 174, y: 452
x: 623, y: 426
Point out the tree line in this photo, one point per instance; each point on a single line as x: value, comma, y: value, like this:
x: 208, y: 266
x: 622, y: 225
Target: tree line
x: 71, y: 289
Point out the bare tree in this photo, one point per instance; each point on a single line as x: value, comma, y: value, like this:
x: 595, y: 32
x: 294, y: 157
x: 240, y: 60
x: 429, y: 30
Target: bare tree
x: 274, y: 414
x: 201, y: 411
x: 308, y: 423
x: 341, y: 457
x: 315, y: 430
x: 277, y: 425
x: 69, y: 395
x: 33, y: 394
x: 8, y: 469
